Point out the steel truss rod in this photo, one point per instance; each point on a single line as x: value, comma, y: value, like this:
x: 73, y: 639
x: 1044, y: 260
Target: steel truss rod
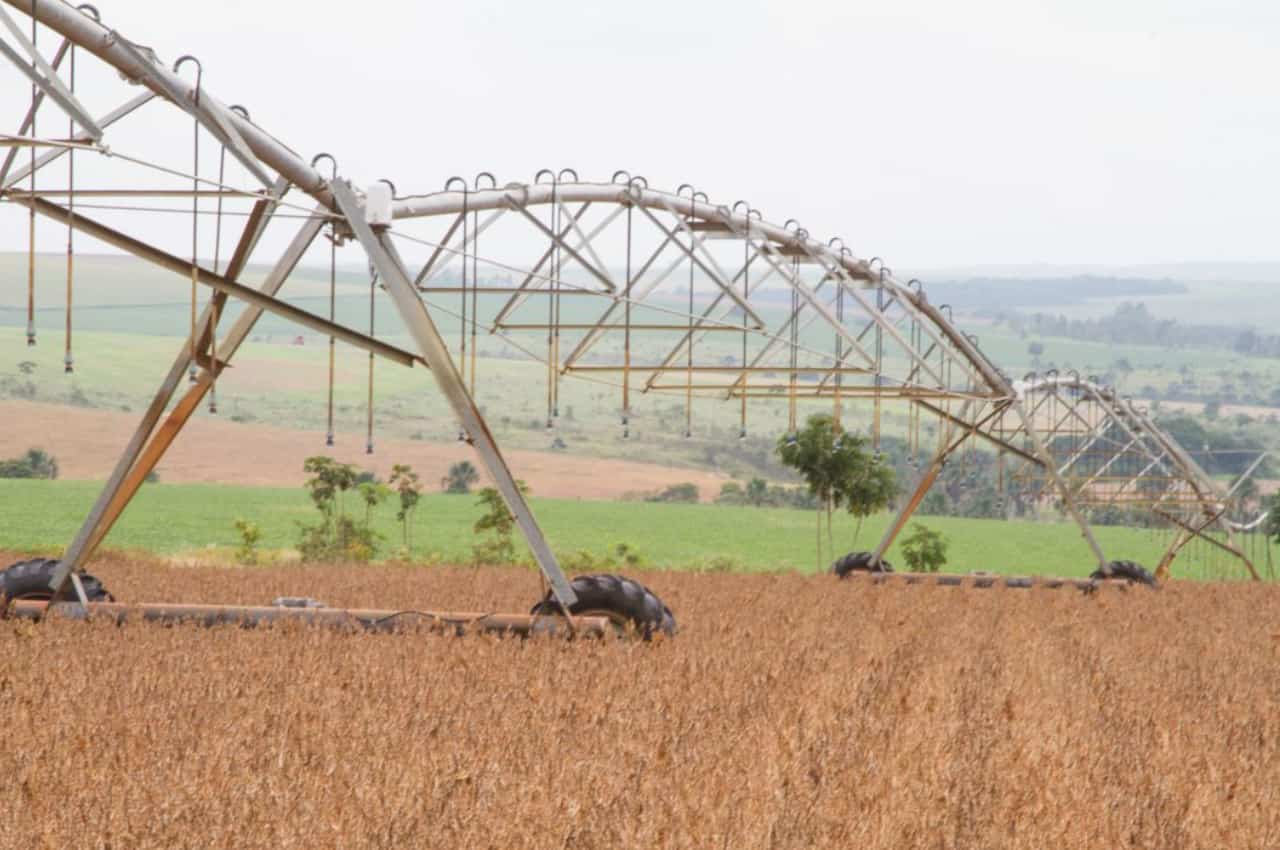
x: 107, y: 120
x: 1199, y: 532
x: 162, y: 439
x: 589, y: 339
x: 414, y: 313
x: 219, y: 282
x: 985, y: 435
x: 63, y: 49
x: 534, y: 280
x: 120, y: 486
x: 598, y: 274
x: 708, y: 265
x: 112, y: 48
x: 45, y: 77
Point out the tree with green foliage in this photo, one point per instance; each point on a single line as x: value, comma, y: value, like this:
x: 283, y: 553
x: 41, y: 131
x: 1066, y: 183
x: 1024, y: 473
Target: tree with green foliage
x: 924, y: 549
x: 338, y: 536
x: 1273, y: 517
x: 757, y: 492
x: 869, y: 487
x: 407, y: 487
x: 837, y: 469
x: 250, y: 535
x: 35, y: 463
x: 498, y: 521
x: 462, y: 476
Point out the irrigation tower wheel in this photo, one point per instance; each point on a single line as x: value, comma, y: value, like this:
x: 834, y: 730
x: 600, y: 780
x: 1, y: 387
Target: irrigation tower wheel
x: 30, y: 580
x: 626, y: 603
x: 862, y: 562
x: 1132, y: 571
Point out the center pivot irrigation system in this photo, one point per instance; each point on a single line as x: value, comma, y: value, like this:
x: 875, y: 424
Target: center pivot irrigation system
x: 644, y: 291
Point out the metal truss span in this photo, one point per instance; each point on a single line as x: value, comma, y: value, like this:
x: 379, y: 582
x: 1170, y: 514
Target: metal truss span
x: 650, y: 291
x: 1107, y: 453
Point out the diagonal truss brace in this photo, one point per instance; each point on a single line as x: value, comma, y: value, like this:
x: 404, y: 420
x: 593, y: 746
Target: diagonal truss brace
x: 46, y: 78
x: 417, y: 320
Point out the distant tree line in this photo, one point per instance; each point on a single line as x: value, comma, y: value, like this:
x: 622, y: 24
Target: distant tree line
x: 1133, y: 324
x: 35, y: 463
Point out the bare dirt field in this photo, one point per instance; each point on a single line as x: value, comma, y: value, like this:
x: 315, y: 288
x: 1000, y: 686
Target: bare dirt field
x: 789, y: 712
x: 87, y: 443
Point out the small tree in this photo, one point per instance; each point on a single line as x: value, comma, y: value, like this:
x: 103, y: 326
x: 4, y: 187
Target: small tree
x: 836, y: 466
x: 250, y: 534
x: 461, y: 478
x: 870, y: 486
x: 1273, y: 517
x: 405, y: 482
x: 924, y: 549
x: 338, y: 536
x: 498, y: 521
x: 757, y: 492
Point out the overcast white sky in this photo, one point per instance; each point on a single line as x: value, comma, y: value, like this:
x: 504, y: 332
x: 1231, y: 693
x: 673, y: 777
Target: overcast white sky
x: 930, y: 132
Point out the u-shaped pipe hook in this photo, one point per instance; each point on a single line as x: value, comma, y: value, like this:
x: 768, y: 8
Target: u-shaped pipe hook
x: 333, y: 163
x: 950, y: 313
x: 455, y: 179
x: 90, y: 10
x: 689, y: 186
x: 621, y: 172
x: 537, y: 178
x: 493, y: 181
x: 563, y: 172
x: 394, y: 193
x: 241, y: 111
x: 182, y: 60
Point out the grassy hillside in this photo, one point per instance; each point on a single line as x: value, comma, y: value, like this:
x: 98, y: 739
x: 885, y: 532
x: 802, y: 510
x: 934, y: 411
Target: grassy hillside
x: 195, y: 519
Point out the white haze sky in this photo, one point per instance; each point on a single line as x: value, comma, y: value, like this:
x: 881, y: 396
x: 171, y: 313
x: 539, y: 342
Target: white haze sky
x: 931, y: 133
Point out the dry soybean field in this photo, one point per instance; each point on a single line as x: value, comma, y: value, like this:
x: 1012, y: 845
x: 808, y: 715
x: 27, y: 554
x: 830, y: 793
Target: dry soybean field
x: 790, y: 711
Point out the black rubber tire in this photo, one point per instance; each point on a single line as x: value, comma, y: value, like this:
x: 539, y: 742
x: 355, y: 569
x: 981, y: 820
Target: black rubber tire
x: 1134, y: 572
x: 30, y: 580
x: 627, y: 602
x: 859, y: 562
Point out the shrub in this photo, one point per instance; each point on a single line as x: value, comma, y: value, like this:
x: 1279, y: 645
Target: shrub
x: 36, y: 463
x: 250, y: 534
x: 924, y: 549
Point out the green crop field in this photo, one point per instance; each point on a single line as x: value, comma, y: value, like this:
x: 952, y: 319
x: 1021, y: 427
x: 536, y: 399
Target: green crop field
x: 197, y: 520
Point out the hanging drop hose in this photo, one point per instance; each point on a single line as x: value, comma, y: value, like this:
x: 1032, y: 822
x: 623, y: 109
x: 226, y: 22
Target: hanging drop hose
x: 214, y: 301
x: 195, y: 208
x: 373, y: 286
x: 836, y: 407
x: 68, y: 362
x: 688, y: 391
x: 746, y: 291
x: 31, y: 214
x: 626, y: 338
x: 333, y: 297
x: 333, y: 307
x: 792, y: 419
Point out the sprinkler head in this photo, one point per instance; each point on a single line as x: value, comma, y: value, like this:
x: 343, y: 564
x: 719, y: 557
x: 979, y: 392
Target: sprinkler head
x: 791, y: 440
x: 742, y: 434
x: 687, y: 433
x: 328, y: 439
x: 550, y: 424
x: 368, y: 448
x: 626, y: 433
x: 213, y: 408
x: 462, y: 437
x: 191, y: 375
x: 68, y: 364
